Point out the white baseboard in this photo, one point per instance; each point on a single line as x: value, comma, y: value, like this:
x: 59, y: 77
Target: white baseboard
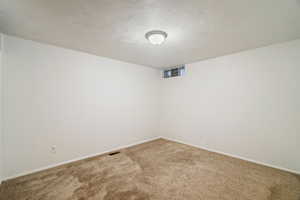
x: 77, y: 159
x: 234, y: 156
x: 144, y: 141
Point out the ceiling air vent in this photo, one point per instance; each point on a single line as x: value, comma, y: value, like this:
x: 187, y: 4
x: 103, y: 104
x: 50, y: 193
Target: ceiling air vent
x: 173, y: 72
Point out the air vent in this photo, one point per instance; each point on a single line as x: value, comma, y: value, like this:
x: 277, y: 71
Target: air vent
x: 114, y: 153
x: 173, y: 72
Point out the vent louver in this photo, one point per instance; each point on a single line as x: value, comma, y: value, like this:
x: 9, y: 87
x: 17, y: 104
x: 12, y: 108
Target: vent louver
x: 173, y: 72
x: 114, y: 153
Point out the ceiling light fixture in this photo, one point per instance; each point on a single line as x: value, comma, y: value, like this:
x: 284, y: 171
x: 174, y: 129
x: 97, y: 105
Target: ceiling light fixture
x: 156, y: 37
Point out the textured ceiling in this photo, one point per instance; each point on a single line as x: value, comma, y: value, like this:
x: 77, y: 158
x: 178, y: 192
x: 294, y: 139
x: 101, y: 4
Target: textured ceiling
x: 197, y: 29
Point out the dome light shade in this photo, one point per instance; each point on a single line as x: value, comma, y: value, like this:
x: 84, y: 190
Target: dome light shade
x: 156, y: 37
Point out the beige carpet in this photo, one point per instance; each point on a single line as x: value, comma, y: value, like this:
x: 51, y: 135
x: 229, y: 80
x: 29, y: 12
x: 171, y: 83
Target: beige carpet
x: 158, y: 170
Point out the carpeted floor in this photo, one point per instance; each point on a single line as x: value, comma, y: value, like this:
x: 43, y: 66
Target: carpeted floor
x: 157, y: 170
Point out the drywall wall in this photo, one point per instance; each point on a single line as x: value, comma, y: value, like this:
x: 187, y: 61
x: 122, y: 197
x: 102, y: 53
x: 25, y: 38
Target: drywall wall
x: 77, y: 103
x: 245, y: 104
x: 1, y: 125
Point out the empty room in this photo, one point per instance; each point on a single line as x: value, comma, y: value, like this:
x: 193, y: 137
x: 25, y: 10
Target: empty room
x: 150, y: 100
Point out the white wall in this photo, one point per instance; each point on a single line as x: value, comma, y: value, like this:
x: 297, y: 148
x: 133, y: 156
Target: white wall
x: 1, y: 125
x: 82, y: 104
x: 246, y: 104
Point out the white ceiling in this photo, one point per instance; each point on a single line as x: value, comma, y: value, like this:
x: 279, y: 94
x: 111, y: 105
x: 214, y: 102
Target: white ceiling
x: 197, y: 29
